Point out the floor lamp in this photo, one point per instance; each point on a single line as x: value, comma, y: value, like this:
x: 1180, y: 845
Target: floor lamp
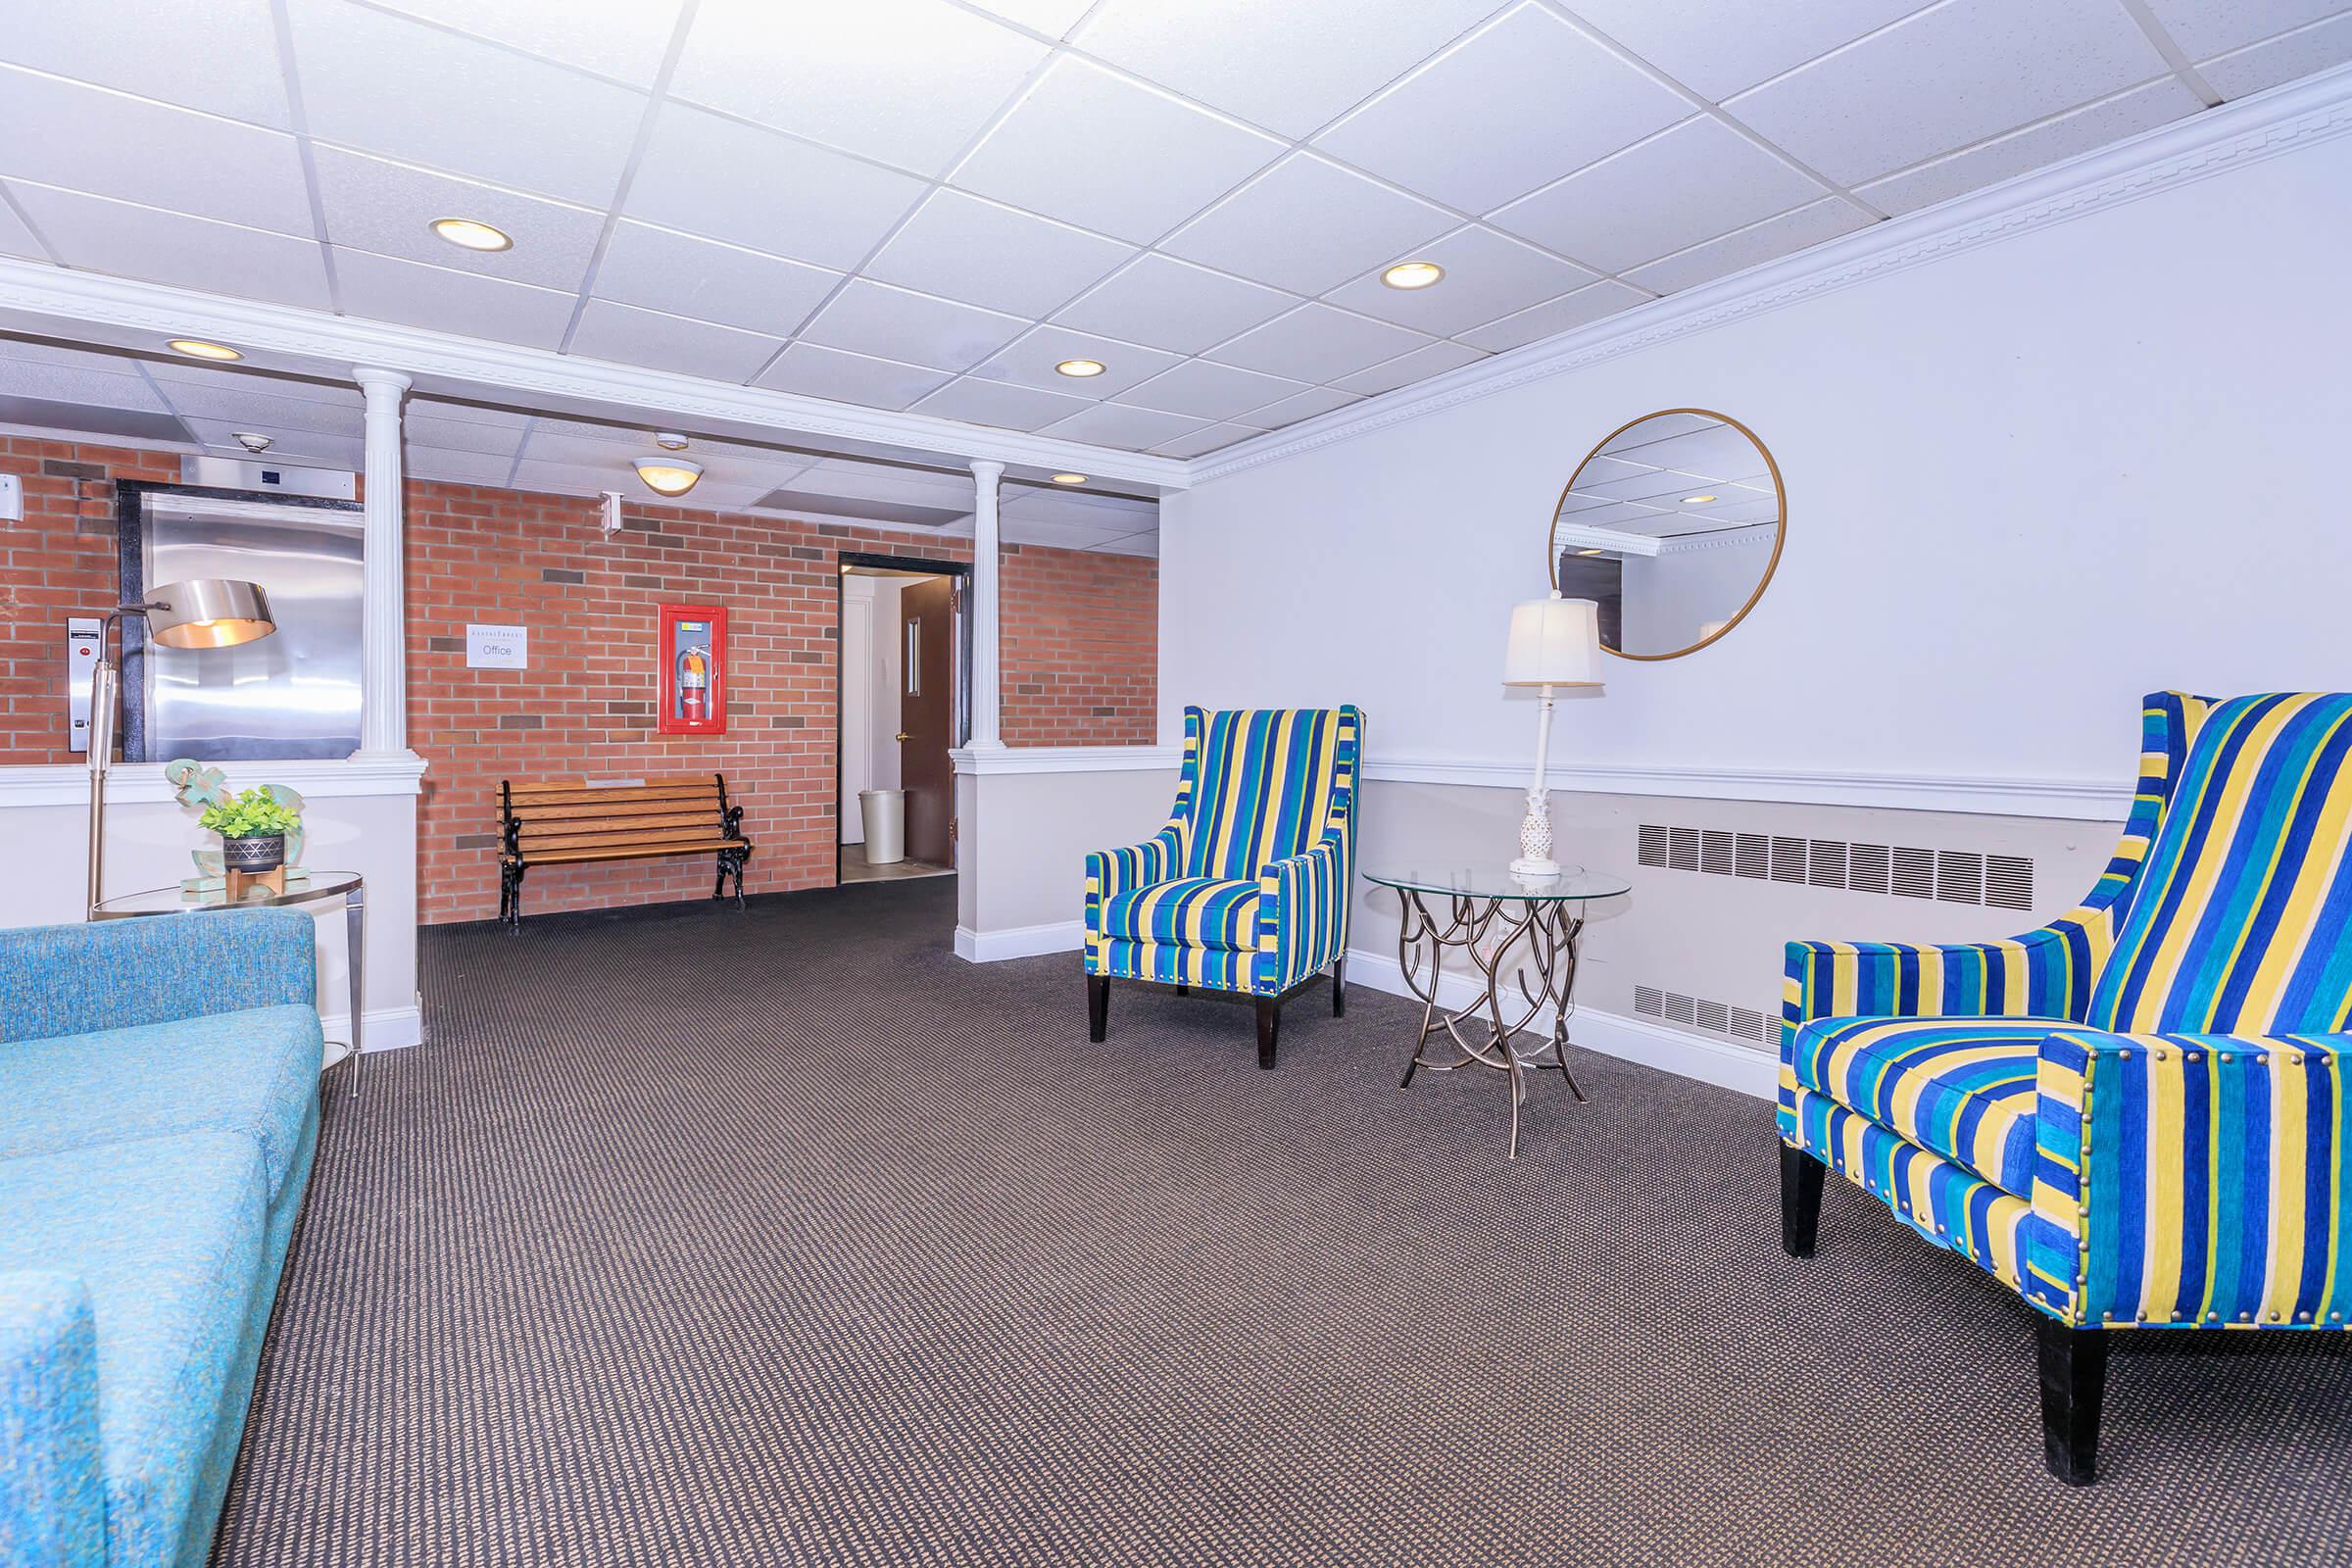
x: 1554, y: 641
x: 201, y: 612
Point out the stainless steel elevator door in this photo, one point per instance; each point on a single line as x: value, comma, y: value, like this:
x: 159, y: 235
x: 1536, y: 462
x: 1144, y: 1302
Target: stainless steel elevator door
x: 294, y: 693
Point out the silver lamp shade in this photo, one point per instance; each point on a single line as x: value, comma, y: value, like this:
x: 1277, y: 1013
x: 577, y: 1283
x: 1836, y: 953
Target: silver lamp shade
x: 208, y: 613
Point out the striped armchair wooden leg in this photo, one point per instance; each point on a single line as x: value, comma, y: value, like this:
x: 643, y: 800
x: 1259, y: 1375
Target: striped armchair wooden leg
x: 1098, y: 1007
x: 2074, y: 1386
x: 1269, y: 1025
x: 1800, y: 1200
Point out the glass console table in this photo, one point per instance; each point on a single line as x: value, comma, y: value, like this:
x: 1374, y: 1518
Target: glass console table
x: 1520, y: 936
x: 302, y: 887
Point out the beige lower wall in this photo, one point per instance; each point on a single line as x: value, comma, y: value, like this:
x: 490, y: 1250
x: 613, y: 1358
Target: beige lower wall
x: 1714, y: 937
x: 1024, y: 839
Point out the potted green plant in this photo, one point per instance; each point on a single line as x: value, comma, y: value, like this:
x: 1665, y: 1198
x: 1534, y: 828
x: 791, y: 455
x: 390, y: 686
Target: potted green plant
x: 253, y: 828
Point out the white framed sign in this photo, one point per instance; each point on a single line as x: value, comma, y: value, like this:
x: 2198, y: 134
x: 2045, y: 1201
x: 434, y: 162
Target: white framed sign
x: 498, y: 648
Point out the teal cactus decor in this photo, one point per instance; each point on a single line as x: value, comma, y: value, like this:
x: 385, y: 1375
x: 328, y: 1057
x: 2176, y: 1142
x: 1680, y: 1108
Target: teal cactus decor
x: 202, y: 788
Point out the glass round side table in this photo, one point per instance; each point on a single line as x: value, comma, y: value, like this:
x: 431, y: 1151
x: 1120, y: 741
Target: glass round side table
x: 1520, y: 935
x: 302, y: 887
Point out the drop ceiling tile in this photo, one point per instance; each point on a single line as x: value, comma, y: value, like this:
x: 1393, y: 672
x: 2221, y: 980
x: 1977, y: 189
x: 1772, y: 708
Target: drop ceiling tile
x: 389, y: 290
x: 371, y: 204
x: 624, y: 40
x: 1304, y: 62
x: 600, y: 430
x: 1053, y: 18
x: 172, y: 370
x: 2298, y: 54
x: 66, y: 383
x: 2207, y: 28
x: 822, y: 372
x: 248, y: 409
x: 1435, y: 359
x: 1486, y: 276
x: 451, y: 409
x: 702, y: 174
x: 1030, y: 360
x: 628, y: 335
x: 84, y: 138
x: 220, y: 57
x: 1208, y: 391
x: 1888, y: 101
x: 386, y: 84
x: 344, y: 451
x: 444, y: 466
x: 1536, y: 97
x: 853, y: 76
x: 1307, y: 226
x: 896, y: 324
x: 1716, y: 47
x: 997, y: 402
x: 2093, y: 126
x: 1174, y: 304
x: 459, y: 435
x: 130, y: 241
x: 1698, y: 181
x: 572, y: 479
x: 1304, y: 406
x: 1316, y: 343
x: 1112, y: 426
x: 657, y: 268
x: 1209, y: 438
x: 1144, y: 543
x: 1112, y: 155
x: 1568, y: 312
x: 549, y: 445
x: 14, y: 239
x: 961, y: 247
x: 1751, y: 246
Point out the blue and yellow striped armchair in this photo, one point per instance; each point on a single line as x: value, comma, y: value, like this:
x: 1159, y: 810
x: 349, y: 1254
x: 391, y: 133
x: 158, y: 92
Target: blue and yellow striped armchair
x: 2135, y: 1117
x: 1247, y: 887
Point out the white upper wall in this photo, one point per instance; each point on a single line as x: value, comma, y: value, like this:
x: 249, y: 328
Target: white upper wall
x: 2026, y: 483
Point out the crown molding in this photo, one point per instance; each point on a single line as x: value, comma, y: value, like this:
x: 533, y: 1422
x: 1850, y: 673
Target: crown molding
x: 2300, y: 114
x: 1753, y: 536
x: 443, y: 362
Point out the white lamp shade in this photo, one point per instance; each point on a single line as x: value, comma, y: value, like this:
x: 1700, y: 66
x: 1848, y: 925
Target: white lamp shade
x: 1554, y: 641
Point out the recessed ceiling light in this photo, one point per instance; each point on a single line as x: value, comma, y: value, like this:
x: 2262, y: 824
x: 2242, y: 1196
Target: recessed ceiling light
x: 668, y: 476
x: 1079, y: 367
x: 468, y: 234
x: 669, y: 442
x: 1070, y: 479
x: 1696, y: 501
x: 1412, y: 274
x: 198, y: 349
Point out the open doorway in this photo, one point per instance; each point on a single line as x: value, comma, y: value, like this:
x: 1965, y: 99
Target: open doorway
x: 904, y: 677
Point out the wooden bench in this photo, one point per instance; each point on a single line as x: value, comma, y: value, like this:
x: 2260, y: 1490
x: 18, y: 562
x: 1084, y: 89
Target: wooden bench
x: 575, y: 821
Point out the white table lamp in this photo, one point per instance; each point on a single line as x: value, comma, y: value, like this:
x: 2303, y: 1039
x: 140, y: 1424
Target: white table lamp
x: 1554, y: 641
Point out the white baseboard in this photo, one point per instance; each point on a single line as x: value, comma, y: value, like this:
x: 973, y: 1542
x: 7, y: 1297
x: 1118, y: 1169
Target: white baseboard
x: 1018, y: 942
x: 386, y: 1028
x: 1644, y: 1039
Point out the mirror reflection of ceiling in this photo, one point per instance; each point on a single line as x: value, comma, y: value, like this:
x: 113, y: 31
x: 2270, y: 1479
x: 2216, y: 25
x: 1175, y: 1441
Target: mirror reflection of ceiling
x: 1672, y: 476
x: 930, y: 205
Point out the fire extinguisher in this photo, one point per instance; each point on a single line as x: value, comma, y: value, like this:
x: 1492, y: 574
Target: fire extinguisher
x: 694, y: 684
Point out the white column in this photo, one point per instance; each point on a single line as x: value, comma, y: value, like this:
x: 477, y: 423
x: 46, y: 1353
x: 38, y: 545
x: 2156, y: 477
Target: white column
x: 986, y: 689
x: 383, y: 646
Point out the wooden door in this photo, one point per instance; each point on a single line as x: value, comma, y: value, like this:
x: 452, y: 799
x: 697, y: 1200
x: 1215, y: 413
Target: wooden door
x: 927, y: 715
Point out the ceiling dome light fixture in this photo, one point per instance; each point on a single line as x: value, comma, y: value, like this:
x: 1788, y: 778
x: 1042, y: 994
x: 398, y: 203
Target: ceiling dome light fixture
x: 1079, y: 367
x: 1412, y: 274
x: 1070, y: 479
x: 468, y: 234
x: 670, y: 441
x: 668, y: 476
x: 196, y: 348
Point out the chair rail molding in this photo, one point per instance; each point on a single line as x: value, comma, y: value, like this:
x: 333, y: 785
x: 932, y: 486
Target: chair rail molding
x: 58, y: 302
x: 1067, y: 759
x: 1987, y: 795
x: 126, y: 783
x: 2300, y: 114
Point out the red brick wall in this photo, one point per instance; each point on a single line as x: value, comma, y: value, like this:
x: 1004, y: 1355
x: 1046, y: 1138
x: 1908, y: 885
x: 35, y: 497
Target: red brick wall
x: 58, y: 561
x: 1079, y: 636
x: 1080, y: 647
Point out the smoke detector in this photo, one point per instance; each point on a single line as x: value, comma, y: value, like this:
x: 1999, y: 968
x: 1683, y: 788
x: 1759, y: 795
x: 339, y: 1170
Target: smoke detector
x: 252, y: 442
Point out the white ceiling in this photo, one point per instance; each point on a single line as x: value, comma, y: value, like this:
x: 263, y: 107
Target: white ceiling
x: 184, y: 406
x: 1674, y: 474
x: 925, y: 203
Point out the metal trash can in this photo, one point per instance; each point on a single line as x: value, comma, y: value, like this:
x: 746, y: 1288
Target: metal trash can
x: 885, y: 813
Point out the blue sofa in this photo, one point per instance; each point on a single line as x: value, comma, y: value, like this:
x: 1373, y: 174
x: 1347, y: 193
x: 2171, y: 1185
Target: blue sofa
x: 159, y: 1109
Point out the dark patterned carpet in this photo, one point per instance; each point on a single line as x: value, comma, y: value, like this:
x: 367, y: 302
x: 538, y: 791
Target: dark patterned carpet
x: 706, y: 1237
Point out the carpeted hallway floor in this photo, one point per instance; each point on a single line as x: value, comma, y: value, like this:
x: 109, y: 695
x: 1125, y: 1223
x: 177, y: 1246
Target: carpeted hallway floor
x: 785, y: 1237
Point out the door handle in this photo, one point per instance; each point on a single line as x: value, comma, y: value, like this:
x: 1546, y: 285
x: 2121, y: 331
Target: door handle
x: 902, y: 735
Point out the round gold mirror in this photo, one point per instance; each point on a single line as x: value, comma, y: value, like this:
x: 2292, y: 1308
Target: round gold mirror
x: 1672, y: 526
